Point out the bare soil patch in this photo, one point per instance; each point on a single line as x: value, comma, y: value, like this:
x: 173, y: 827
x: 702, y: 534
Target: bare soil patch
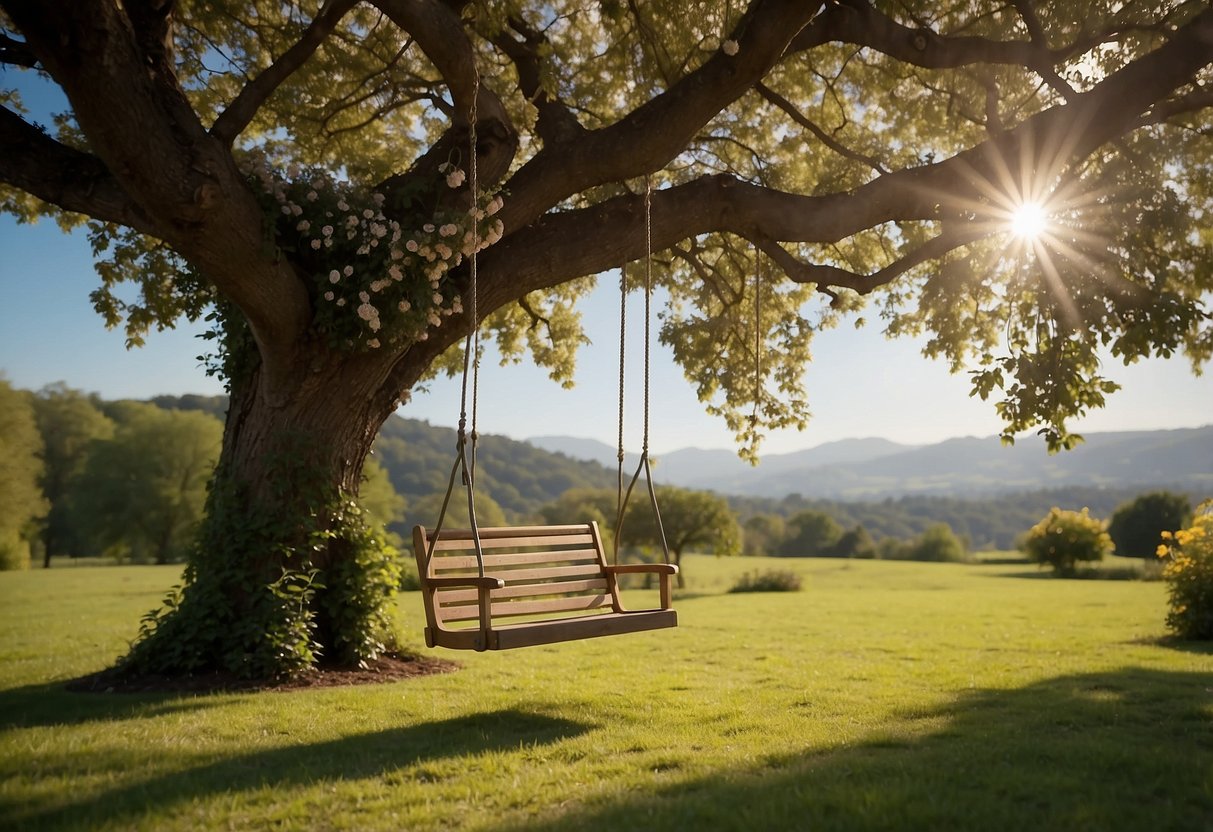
x: 390, y: 667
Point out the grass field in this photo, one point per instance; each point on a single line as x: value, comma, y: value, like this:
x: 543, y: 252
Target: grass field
x: 883, y: 696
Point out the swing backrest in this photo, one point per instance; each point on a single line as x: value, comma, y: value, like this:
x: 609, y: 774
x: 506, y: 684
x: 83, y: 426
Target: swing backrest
x: 548, y: 570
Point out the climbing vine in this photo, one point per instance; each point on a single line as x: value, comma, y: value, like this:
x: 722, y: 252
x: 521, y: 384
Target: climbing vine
x: 251, y: 604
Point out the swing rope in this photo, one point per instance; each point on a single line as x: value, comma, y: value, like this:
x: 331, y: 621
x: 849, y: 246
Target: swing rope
x: 643, y: 466
x: 757, y: 338
x: 465, y: 457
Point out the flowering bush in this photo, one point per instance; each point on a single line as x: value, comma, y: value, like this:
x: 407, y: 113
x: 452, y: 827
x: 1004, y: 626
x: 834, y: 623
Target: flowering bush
x: 373, y: 282
x: 1064, y: 538
x: 1189, y: 576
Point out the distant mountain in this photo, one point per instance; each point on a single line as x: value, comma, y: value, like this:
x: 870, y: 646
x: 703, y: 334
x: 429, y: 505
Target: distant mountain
x: 522, y: 476
x: 722, y: 470
x: 876, y: 468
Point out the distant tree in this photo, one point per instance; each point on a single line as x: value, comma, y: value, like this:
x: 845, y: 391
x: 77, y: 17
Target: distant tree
x: 381, y: 501
x: 69, y: 421
x: 762, y: 534
x: 938, y: 543
x: 689, y: 518
x: 1136, y: 527
x: 425, y: 511
x: 21, y: 499
x: 1064, y: 539
x: 811, y: 533
x: 142, y: 492
x: 855, y: 543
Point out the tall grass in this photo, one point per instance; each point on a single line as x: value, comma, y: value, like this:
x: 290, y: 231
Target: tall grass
x: 883, y: 695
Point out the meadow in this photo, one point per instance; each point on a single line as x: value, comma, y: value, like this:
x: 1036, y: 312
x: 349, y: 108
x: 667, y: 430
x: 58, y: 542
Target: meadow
x: 885, y: 695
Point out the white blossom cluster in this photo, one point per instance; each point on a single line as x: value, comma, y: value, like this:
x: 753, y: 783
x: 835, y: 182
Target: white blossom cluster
x: 376, y: 281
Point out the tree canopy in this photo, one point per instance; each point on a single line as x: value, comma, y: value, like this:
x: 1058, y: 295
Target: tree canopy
x: 866, y: 150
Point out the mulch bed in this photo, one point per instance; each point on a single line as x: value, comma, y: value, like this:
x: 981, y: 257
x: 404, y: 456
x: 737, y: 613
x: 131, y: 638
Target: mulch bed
x: 390, y: 667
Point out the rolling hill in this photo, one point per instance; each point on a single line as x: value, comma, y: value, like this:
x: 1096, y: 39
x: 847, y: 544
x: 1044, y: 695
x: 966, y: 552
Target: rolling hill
x: 970, y: 466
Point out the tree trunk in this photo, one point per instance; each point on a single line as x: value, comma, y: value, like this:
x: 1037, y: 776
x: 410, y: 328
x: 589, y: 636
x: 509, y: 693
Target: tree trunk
x: 284, y: 574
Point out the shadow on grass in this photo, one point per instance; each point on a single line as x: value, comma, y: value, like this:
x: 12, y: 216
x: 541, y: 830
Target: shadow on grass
x: 52, y: 704
x: 1127, y: 750
x: 348, y: 758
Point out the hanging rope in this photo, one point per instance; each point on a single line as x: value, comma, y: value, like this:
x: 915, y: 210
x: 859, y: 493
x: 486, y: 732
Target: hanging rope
x: 465, y: 461
x: 644, y: 466
x: 623, y: 337
x: 757, y: 338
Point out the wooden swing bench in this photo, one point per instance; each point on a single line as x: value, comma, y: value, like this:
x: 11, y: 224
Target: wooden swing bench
x: 540, y: 585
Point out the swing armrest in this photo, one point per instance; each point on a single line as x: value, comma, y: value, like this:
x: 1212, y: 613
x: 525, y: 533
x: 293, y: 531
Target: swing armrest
x: 662, y: 570
x: 657, y: 568
x: 470, y: 580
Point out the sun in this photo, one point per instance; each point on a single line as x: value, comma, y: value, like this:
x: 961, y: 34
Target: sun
x: 1028, y: 220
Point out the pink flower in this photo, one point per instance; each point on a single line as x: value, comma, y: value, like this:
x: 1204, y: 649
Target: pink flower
x: 455, y: 178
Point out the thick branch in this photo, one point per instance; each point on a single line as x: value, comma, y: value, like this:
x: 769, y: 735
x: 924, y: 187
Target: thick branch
x: 555, y: 122
x: 143, y: 129
x: 653, y: 134
x: 232, y: 121
x: 441, y: 35
x: 34, y: 162
x: 16, y: 53
x: 859, y: 23
x: 553, y: 249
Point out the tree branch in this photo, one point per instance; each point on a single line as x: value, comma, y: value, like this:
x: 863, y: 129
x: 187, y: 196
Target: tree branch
x: 832, y: 277
x: 232, y: 121
x: 16, y: 53
x: 654, y: 133
x: 956, y: 191
x: 822, y: 136
x: 442, y: 37
x: 62, y: 176
x: 556, y: 122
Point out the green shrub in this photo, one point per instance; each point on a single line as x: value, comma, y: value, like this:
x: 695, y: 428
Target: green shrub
x: 773, y: 580
x: 1189, y: 576
x: 1065, y: 538
x: 938, y: 543
x: 409, y: 581
x: 14, y: 553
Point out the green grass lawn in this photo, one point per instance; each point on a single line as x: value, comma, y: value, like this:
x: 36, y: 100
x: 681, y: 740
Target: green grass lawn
x: 883, y: 696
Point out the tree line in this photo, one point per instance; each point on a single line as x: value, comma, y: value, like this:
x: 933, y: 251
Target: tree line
x: 82, y: 476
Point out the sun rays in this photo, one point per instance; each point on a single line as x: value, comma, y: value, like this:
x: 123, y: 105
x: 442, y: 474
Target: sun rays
x: 1029, y: 221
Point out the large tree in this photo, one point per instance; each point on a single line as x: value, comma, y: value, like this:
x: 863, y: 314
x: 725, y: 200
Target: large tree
x: 305, y: 169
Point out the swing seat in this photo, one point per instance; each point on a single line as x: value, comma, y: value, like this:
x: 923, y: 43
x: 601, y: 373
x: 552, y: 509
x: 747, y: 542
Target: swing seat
x: 542, y: 585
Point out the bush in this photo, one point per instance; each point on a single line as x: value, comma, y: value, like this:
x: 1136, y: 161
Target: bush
x: 1065, y: 538
x: 773, y: 580
x: 938, y: 544
x: 1189, y: 577
x: 14, y: 553
x: 1136, y: 527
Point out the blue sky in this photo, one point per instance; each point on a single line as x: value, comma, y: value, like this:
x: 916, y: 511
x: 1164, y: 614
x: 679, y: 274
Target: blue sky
x: 860, y: 384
